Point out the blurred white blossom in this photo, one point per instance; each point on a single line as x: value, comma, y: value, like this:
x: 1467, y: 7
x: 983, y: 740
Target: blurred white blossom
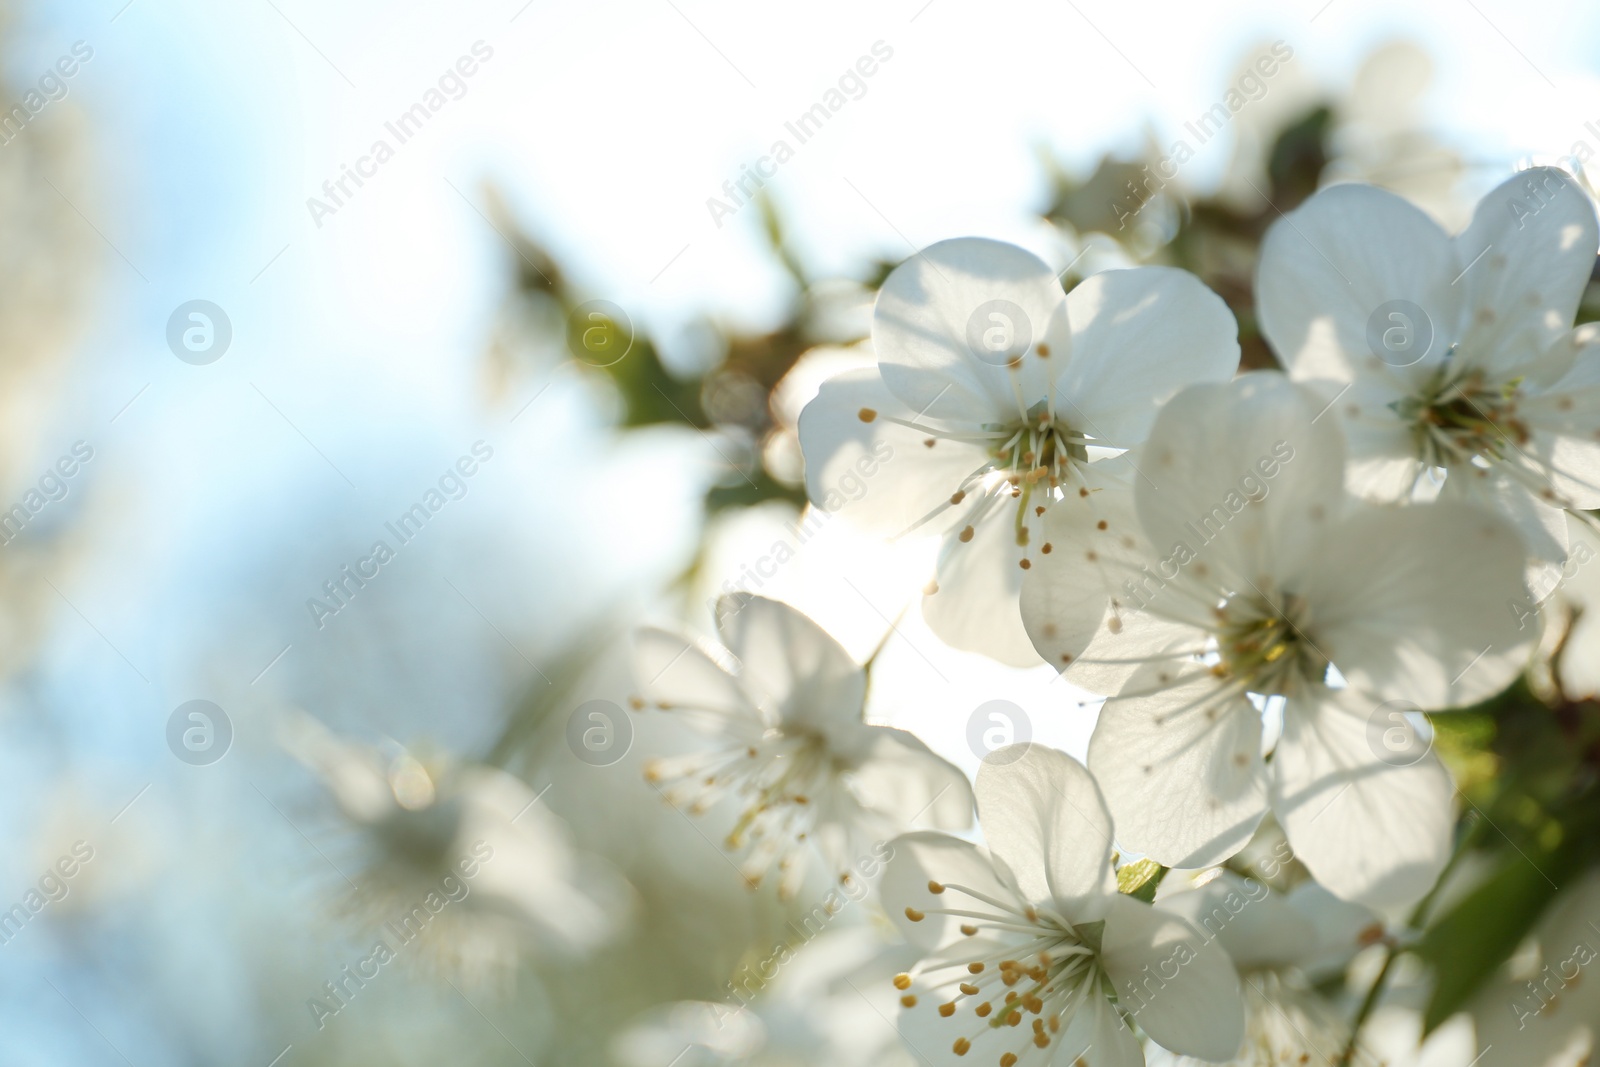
x: 492, y: 871
x: 788, y: 747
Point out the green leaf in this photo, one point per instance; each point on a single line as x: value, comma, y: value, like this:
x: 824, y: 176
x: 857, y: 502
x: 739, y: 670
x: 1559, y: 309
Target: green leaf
x: 1140, y: 879
x: 1468, y: 943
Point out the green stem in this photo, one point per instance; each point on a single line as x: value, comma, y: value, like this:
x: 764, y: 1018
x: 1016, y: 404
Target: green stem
x: 1367, y: 1004
x: 1417, y: 918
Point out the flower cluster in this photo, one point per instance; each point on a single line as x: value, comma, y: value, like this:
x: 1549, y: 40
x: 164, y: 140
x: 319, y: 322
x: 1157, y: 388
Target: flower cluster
x: 1270, y: 577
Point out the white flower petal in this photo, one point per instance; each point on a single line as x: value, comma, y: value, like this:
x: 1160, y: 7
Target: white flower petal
x: 1132, y: 637
x: 901, y: 777
x: 532, y: 871
x: 356, y: 775
x: 1382, y: 451
x: 1537, y: 237
x: 978, y: 584
x: 793, y: 663
x: 879, y: 474
x: 937, y: 303
x: 1332, y: 263
x: 1415, y: 603
x: 1565, y: 362
x: 1254, y: 925
x: 923, y: 857
x: 1368, y: 830
x: 1385, y: 479
x: 1541, y: 525
x: 1042, y: 814
x: 1098, y: 1036
x: 1183, y: 991
x: 663, y: 1036
x: 1181, y: 769
x: 1341, y: 929
x: 1240, y: 475
x: 675, y: 671
x: 1066, y: 592
x: 1139, y: 336
x: 1564, y: 419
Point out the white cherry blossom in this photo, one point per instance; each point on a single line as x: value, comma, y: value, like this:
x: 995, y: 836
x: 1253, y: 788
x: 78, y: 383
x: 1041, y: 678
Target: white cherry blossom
x: 1031, y: 955
x: 788, y: 748
x: 463, y: 855
x: 998, y: 397
x: 1283, y: 944
x: 1279, y: 597
x: 1452, y: 357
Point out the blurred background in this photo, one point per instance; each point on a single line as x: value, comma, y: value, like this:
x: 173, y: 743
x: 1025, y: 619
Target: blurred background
x: 275, y: 273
